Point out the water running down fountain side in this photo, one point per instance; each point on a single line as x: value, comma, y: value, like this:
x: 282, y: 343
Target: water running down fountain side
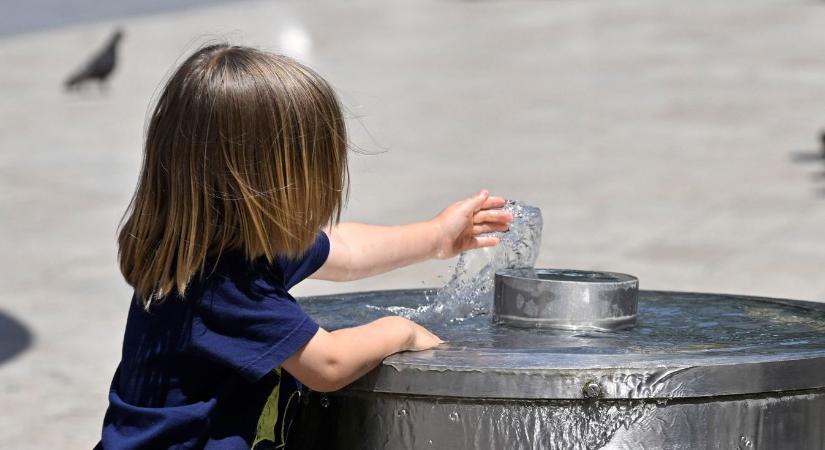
x: 697, y: 371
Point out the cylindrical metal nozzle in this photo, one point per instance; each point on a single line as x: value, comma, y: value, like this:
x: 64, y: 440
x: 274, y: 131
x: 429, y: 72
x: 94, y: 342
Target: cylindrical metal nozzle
x: 565, y: 299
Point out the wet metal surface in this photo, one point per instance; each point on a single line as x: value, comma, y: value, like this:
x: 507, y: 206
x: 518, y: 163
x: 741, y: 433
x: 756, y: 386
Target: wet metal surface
x: 355, y: 420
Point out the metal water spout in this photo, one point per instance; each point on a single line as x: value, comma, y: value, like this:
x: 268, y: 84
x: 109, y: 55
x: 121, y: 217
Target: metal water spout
x: 565, y: 299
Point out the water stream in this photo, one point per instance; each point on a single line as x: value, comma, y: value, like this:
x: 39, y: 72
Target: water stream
x: 469, y: 291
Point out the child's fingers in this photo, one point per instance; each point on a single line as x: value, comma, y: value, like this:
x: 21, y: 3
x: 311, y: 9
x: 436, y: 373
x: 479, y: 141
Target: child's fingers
x: 492, y: 215
x: 493, y: 202
x: 489, y: 227
x: 476, y: 201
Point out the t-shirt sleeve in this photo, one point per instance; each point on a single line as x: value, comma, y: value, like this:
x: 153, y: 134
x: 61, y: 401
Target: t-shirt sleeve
x: 249, y: 325
x: 252, y: 333
x: 297, y: 270
x: 247, y: 321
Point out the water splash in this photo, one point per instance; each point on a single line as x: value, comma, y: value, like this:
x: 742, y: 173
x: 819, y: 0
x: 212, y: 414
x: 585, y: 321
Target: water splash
x: 469, y: 292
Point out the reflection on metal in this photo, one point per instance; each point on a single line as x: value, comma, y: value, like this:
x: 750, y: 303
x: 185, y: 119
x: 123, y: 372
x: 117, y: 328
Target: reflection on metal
x: 699, y: 371
x: 565, y: 299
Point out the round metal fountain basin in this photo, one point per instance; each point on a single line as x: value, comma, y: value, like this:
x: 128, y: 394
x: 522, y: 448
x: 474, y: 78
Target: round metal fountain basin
x: 565, y: 299
x: 698, y: 371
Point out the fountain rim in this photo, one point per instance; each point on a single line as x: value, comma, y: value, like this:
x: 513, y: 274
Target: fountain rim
x: 623, y: 377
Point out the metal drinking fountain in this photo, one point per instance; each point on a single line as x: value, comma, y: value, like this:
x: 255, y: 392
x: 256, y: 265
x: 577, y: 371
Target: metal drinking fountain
x: 696, y: 371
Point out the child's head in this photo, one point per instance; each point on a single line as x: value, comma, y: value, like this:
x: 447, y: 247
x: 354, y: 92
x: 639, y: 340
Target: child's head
x: 245, y: 150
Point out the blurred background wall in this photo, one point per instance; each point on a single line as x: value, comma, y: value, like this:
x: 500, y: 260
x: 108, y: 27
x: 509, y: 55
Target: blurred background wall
x: 677, y: 141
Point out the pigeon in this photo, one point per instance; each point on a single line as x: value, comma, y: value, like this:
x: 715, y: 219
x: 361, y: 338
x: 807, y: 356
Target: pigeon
x: 100, y: 66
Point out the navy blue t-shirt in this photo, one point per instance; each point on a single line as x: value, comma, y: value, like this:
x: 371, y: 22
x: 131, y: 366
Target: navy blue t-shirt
x: 204, y: 371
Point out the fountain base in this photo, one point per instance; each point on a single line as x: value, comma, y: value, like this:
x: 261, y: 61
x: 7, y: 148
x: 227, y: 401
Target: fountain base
x: 359, y: 420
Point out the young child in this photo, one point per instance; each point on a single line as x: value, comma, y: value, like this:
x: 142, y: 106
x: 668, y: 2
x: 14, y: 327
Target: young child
x: 245, y: 163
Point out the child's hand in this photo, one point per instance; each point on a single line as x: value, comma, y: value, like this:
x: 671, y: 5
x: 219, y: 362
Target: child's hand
x: 461, y: 223
x: 421, y: 338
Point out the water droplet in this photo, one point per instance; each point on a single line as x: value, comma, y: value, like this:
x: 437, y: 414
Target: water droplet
x: 401, y: 412
x: 454, y: 416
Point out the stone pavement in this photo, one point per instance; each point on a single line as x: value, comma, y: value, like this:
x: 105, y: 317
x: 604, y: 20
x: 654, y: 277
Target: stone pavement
x: 662, y: 139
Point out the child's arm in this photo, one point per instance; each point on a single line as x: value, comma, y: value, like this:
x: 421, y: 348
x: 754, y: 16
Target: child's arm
x: 359, y: 251
x: 330, y: 361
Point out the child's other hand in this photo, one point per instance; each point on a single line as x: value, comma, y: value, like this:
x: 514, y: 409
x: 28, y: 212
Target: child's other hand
x: 421, y: 338
x: 461, y: 223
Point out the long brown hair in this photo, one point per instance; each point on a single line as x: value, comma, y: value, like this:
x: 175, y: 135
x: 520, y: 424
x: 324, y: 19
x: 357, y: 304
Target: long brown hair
x: 245, y: 150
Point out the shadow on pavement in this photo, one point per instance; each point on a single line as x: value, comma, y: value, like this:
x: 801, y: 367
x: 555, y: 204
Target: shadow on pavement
x: 15, y: 338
